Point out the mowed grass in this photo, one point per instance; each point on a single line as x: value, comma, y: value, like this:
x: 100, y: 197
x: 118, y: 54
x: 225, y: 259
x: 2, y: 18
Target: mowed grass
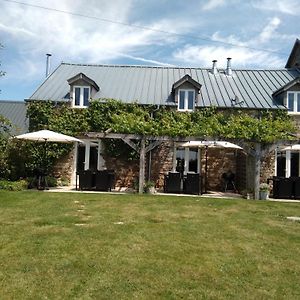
x: 100, y: 246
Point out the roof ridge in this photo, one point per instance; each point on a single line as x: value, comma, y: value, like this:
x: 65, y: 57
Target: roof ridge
x: 167, y: 67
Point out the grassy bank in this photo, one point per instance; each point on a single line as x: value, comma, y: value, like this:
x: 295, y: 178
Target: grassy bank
x: 87, y: 246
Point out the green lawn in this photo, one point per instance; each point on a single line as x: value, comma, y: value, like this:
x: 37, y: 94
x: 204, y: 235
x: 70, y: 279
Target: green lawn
x: 100, y: 246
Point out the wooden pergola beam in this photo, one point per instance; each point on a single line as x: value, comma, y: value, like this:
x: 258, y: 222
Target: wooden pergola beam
x: 142, y: 167
x: 103, y: 135
x: 152, y: 145
x: 131, y: 144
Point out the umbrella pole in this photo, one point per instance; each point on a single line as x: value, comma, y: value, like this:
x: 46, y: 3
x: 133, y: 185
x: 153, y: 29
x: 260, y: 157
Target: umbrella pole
x: 38, y: 167
x: 45, y: 171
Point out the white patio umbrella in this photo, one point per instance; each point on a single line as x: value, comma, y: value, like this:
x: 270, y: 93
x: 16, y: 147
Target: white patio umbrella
x: 46, y: 136
x: 295, y: 147
x: 209, y: 144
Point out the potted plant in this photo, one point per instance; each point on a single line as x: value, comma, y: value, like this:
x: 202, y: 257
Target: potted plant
x: 149, y: 187
x: 264, y: 191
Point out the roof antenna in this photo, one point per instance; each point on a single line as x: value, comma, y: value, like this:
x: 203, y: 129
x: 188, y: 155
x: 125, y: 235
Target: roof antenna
x: 236, y: 101
x: 48, y: 64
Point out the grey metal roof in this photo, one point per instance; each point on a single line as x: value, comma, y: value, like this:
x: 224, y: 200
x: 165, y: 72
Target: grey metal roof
x: 15, y: 111
x: 153, y: 85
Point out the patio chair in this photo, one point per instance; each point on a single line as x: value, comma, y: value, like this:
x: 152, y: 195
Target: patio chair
x: 104, y: 180
x: 172, y: 183
x: 283, y: 188
x: 297, y: 187
x: 86, y: 180
x: 192, y: 184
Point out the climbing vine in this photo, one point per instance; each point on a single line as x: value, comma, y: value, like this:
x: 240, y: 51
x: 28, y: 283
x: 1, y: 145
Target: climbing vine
x: 104, y: 114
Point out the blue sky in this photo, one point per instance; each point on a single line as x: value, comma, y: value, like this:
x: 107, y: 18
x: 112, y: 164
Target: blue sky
x: 28, y: 33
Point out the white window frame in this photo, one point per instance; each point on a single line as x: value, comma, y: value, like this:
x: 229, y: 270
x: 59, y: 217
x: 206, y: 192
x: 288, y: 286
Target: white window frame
x: 81, y: 99
x: 288, y: 162
x: 186, y: 99
x: 295, y: 93
x: 187, y: 159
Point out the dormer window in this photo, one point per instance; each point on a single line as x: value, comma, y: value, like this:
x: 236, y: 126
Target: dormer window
x: 186, y: 100
x: 82, y: 89
x: 81, y: 96
x: 293, y: 102
x: 185, y: 92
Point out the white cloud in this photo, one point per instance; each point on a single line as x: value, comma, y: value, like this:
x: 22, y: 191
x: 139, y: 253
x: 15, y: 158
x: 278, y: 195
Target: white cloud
x: 151, y: 61
x: 15, y: 30
x: 241, y: 57
x: 231, y: 39
x: 269, y: 31
x: 290, y: 7
x: 35, y: 31
x: 244, y: 53
x: 211, y: 4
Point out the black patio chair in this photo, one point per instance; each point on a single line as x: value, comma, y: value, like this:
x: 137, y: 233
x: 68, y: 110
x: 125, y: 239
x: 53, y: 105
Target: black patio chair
x: 172, y: 183
x: 297, y: 187
x: 104, y: 180
x: 192, y: 184
x: 112, y: 179
x: 86, y: 180
x: 283, y: 188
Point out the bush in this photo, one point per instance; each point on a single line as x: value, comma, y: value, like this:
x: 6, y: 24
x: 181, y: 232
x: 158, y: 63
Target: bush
x: 13, y: 185
x: 63, y: 181
x: 51, y: 181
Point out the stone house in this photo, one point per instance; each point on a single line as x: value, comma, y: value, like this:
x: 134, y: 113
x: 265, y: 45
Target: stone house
x: 182, y: 89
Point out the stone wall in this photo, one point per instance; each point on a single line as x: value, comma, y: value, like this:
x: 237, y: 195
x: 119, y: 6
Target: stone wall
x: 267, y: 169
x: 63, y: 168
x: 219, y: 161
x: 127, y: 171
x: 161, y: 163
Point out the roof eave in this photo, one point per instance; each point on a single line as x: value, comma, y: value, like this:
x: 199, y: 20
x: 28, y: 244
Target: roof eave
x: 84, y: 78
x: 286, y: 87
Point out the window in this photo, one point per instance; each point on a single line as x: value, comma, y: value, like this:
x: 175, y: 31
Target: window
x: 293, y: 102
x: 281, y: 163
x: 187, y: 160
x: 288, y: 163
x: 81, y: 96
x: 186, y: 100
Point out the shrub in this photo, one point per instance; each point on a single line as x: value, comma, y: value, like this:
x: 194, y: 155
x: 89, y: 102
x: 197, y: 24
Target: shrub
x: 51, y: 181
x: 13, y: 185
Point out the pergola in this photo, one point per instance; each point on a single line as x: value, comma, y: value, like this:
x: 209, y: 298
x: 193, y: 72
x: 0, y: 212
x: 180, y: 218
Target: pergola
x: 138, y: 143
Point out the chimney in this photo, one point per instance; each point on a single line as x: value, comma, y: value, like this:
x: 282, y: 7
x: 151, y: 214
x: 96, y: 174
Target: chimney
x: 48, y: 64
x: 214, y: 67
x: 228, y: 69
